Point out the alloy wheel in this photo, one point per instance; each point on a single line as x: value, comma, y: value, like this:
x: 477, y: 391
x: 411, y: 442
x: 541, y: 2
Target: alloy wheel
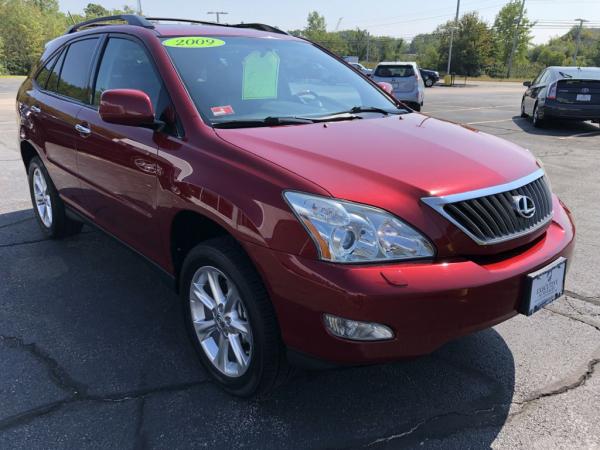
x: 220, y: 321
x: 43, y: 202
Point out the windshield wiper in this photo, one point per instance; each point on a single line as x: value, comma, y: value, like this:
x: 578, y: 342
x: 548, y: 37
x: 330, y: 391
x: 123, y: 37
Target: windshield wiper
x: 363, y: 109
x: 266, y: 122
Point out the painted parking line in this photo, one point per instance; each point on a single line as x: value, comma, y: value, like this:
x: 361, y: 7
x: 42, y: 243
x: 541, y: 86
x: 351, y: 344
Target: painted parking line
x: 573, y: 136
x: 470, y: 109
x: 496, y: 121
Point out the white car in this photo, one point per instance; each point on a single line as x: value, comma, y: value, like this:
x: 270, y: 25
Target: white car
x: 406, y: 80
x: 362, y: 69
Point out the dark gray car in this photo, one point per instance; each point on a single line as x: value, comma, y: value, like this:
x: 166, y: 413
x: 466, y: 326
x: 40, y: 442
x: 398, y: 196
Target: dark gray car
x: 567, y: 93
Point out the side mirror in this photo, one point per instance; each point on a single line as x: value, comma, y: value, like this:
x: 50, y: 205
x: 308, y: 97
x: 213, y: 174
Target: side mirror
x: 127, y: 107
x: 387, y: 87
x: 527, y: 83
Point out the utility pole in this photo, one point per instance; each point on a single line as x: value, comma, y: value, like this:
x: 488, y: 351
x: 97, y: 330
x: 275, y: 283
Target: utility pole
x: 515, y: 40
x: 578, y: 39
x: 452, y: 37
x: 218, y: 14
x: 337, y: 27
x: 139, y: 7
x: 368, y: 45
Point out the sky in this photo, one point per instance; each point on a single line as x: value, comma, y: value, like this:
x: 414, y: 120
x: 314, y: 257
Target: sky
x: 398, y: 18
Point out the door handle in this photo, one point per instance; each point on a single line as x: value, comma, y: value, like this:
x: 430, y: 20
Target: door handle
x: 83, y: 130
x: 35, y: 109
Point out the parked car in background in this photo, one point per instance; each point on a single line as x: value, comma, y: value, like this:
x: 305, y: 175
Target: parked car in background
x: 362, y: 69
x: 430, y: 77
x: 566, y: 93
x: 405, y: 79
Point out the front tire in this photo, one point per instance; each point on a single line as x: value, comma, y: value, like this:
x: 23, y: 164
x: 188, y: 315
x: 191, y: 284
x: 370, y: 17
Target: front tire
x: 230, y: 319
x: 48, y: 207
x: 523, y: 113
x: 429, y: 82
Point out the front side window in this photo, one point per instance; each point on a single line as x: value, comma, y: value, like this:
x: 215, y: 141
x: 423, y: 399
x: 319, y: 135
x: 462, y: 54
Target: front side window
x: 399, y: 71
x: 251, y: 79
x: 125, y: 65
x: 75, y: 73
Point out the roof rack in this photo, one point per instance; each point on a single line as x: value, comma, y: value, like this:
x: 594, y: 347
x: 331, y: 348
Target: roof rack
x: 255, y: 26
x: 146, y: 22
x: 130, y: 19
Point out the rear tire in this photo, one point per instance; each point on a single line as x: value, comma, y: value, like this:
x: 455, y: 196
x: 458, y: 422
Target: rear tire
x: 416, y: 107
x: 48, y: 207
x: 429, y: 82
x: 535, y: 118
x: 256, y: 366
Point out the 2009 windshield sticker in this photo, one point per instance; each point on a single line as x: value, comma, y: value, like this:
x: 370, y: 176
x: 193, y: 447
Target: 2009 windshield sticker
x: 193, y: 42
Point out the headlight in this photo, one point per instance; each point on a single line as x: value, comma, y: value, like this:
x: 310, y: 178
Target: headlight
x: 349, y: 232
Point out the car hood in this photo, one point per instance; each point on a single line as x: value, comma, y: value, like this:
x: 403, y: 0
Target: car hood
x: 411, y: 154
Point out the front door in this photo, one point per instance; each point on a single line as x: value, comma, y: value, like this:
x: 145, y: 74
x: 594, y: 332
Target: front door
x: 117, y: 163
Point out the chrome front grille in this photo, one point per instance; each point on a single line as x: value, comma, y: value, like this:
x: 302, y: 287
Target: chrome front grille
x: 491, y: 215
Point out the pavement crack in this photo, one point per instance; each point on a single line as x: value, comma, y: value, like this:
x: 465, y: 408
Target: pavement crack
x: 6, y: 225
x: 16, y: 244
x: 583, y: 298
x: 578, y: 318
x: 58, y: 374
x: 49, y: 408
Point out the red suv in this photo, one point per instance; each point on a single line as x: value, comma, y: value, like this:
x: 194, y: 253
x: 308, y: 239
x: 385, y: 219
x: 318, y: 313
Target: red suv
x: 303, y: 215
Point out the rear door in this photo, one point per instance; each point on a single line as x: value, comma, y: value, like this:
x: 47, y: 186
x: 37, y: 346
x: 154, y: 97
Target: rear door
x: 118, y: 163
x: 61, y: 92
x: 402, y: 76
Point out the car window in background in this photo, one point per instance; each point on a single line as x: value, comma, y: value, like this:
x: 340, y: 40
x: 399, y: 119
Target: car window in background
x: 75, y: 74
x: 240, y: 78
x: 44, y: 74
x: 400, y: 71
x: 539, y: 77
x: 55, y: 73
x: 125, y: 65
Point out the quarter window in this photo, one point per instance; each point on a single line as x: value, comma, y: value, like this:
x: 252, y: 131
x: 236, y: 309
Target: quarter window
x: 75, y: 73
x: 55, y: 73
x: 42, y: 76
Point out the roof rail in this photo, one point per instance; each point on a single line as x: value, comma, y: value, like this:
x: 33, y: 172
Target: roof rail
x: 131, y: 19
x: 255, y: 26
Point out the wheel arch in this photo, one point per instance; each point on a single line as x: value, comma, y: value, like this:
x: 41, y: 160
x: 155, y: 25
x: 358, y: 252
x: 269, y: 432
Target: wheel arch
x: 28, y: 152
x: 188, y: 229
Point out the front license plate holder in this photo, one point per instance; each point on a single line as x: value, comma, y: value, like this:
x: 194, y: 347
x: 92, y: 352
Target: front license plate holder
x: 544, y: 286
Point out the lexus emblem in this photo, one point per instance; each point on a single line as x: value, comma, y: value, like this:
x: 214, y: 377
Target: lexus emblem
x: 524, y: 206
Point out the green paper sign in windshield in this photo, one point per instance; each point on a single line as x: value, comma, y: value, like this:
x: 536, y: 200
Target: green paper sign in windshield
x: 261, y: 75
x: 193, y: 42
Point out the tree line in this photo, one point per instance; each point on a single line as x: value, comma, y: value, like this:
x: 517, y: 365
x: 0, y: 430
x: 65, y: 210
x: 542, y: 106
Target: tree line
x: 478, y: 47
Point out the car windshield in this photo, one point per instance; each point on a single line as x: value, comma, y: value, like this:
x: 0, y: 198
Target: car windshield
x: 246, y: 80
x: 400, y: 71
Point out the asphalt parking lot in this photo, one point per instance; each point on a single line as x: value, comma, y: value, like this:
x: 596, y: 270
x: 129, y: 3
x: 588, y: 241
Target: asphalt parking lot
x: 93, y: 354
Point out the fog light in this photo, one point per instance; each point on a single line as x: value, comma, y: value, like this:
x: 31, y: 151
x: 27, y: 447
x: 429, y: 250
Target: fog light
x: 355, y: 330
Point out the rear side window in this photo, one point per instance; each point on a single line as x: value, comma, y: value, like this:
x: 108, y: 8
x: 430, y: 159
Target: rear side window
x: 125, y: 65
x: 55, y: 73
x: 75, y: 73
x: 44, y: 74
x: 401, y: 71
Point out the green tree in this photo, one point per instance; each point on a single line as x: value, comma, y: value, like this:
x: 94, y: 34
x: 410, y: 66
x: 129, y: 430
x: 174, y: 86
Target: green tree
x: 473, y: 45
x: 505, y: 27
x: 94, y: 10
x: 315, y: 23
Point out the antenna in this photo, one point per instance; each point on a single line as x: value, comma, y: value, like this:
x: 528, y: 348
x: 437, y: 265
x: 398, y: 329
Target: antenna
x: 218, y: 14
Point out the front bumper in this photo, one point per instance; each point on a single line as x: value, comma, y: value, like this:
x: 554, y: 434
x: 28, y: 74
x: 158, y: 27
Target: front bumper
x: 425, y: 303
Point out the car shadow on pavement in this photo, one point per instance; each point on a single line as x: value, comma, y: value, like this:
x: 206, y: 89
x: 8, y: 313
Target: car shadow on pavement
x: 92, y: 349
x: 559, y: 128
